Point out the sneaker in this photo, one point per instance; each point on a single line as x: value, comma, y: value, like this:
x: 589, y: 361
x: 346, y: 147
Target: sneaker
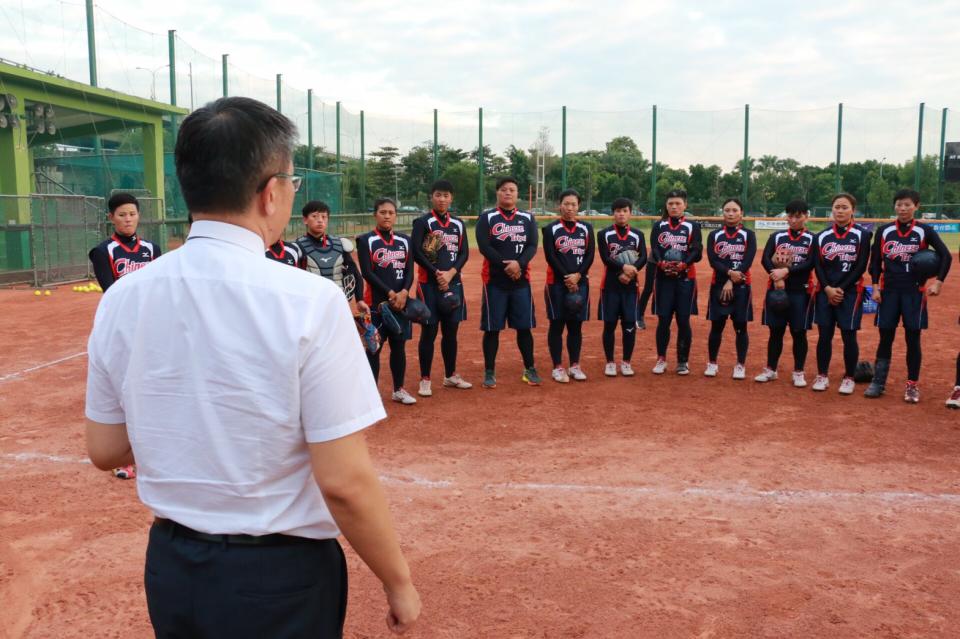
x: 577, y: 374
x: 766, y: 375
x: 739, y: 371
x: 712, y: 370
x: 954, y: 400
x: 425, y: 390
x: 489, y: 378
x: 531, y: 376
x: 821, y: 383
x: 626, y: 369
x: 799, y: 380
x: 455, y: 381
x: 559, y: 375
x: 403, y: 397
x: 847, y: 386
x: 912, y: 393
x: 125, y: 472
x: 610, y: 370
x: 658, y: 369
x: 683, y: 368
x: 641, y: 325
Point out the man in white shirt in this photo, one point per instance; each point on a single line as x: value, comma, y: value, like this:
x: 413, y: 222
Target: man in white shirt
x: 240, y: 389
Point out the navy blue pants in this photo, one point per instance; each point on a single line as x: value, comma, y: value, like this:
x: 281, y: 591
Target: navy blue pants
x: 207, y: 590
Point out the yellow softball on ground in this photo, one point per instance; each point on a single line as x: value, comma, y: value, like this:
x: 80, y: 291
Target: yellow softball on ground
x: 37, y: 293
x: 47, y: 293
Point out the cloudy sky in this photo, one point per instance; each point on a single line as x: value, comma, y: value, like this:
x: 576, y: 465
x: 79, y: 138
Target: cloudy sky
x: 403, y: 59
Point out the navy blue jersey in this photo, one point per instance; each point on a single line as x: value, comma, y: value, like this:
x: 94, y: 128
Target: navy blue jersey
x: 802, y: 246
x: 503, y: 236
x: 286, y: 253
x: 611, y: 242
x: 386, y: 263
x: 731, y: 248
x: 681, y: 234
x: 568, y: 248
x: 119, y: 255
x: 454, y: 251
x: 893, y: 246
x: 842, y: 255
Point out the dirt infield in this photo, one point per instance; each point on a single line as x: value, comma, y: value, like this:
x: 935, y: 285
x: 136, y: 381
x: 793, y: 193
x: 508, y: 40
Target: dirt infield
x: 644, y: 507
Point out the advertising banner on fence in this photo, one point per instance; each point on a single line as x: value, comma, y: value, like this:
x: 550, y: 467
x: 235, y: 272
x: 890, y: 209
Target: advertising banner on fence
x: 771, y: 225
x: 946, y: 227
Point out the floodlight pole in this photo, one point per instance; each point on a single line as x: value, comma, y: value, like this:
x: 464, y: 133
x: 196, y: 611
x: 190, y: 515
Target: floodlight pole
x: 226, y: 74
x: 310, y: 129
x: 91, y: 44
x: 436, y: 147
x: 839, y: 145
x: 916, y: 171
x: 943, y: 142
x: 563, y: 152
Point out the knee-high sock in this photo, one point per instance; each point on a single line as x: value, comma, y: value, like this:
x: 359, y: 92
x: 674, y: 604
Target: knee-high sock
x: 715, y: 338
x: 684, y: 338
x: 775, y: 346
x: 448, y: 346
x: 663, y: 337
x: 914, y: 353
x: 610, y: 333
x: 398, y: 361
x: 851, y: 351
x: 555, y: 341
x: 428, y: 334
x: 491, y: 344
x: 629, y: 339
x: 525, y: 344
x: 799, y: 349
x: 743, y: 341
x: 574, y: 340
x: 825, y: 348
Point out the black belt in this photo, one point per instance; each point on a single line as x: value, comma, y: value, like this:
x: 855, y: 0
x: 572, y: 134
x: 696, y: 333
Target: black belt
x: 274, y: 539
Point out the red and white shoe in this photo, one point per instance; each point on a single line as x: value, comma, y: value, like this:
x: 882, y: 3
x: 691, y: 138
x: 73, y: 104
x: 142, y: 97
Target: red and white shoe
x: 125, y: 472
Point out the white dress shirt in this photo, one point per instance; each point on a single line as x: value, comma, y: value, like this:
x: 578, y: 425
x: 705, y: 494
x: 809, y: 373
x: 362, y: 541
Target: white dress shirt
x: 224, y: 365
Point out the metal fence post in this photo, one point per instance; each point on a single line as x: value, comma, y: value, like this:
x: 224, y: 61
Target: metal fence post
x: 943, y: 141
x: 172, y: 54
x: 839, y: 143
x: 745, y: 169
x: 436, y: 146
x: 653, y: 166
x: 563, y: 153
x: 226, y: 74
x: 363, y: 170
x: 480, y: 166
x: 91, y: 44
x: 916, y: 171
x: 309, y: 133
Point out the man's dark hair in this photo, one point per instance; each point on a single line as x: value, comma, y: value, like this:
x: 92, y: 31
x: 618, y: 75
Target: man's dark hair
x: 315, y: 206
x: 119, y: 199
x: 505, y: 180
x: 227, y: 150
x: 620, y: 203
x: 441, y: 185
x: 569, y: 193
x: 380, y: 201
x: 796, y: 206
x: 910, y: 194
x: 680, y: 193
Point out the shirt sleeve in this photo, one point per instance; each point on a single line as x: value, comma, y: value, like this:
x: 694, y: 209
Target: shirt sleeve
x: 591, y: 251
x: 751, y: 253
x: 463, y: 253
x: 101, y: 267
x: 807, y: 264
x: 695, y: 254
x: 604, y: 250
x: 483, y: 243
x: 530, y: 250
x: 103, y: 402
x: 766, y: 259
x: 338, y: 396
x: 641, y: 252
x: 416, y: 245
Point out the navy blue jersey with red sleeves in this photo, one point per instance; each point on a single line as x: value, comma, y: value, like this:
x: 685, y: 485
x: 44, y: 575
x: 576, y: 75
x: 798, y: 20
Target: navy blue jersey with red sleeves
x: 568, y: 248
x: 681, y: 234
x: 503, y: 236
x: 386, y: 263
x: 802, y: 245
x: 611, y: 242
x: 894, y: 244
x: 842, y: 254
x: 288, y: 253
x: 731, y: 248
x: 120, y: 255
x: 454, y: 250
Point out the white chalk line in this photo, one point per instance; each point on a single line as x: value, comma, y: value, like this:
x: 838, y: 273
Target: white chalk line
x: 40, y: 366
x: 740, y: 492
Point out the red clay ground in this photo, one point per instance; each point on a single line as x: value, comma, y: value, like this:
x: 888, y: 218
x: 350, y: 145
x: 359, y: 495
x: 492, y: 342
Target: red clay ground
x: 644, y: 507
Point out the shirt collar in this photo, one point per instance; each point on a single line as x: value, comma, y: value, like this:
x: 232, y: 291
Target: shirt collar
x: 232, y: 233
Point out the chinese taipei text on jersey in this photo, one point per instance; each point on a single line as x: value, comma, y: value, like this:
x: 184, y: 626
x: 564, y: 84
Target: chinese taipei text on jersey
x: 568, y: 248
x: 121, y: 255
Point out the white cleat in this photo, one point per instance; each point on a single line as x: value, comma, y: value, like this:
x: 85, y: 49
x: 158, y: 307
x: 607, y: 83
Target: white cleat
x: 847, y: 386
x: 610, y: 370
x: 766, y: 375
x: 560, y: 376
x: 455, y: 381
x: 739, y: 372
x: 425, y: 390
x: 658, y: 369
x: 626, y: 369
x: 403, y: 397
x: 820, y: 383
x: 799, y: 380
x: 712, y: 370
x: 576, y: 373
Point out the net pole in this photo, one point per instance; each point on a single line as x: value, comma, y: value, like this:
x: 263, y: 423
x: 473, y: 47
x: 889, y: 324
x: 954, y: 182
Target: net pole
x: 839, y: 144
x: 225, y: 74
x: 363, y: 170
x: 746, y: 153
x: 563, y: 152
x: 916, y: 168
x: 91, y: 44
x: 940, y: 176
x: 309, y: 131
x: 653, y: 166
x: 172, y: 55
x: 279, y: 92
x: 436, y: 146
x: 480, y: 165
x: 338, y: 139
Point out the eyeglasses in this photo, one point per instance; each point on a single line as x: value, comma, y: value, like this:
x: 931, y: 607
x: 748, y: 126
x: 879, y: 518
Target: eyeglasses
x: 295, y: 180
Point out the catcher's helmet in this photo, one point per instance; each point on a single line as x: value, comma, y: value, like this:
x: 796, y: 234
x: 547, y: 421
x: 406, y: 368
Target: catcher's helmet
x: 673, y: 255
x: 627, y: 257
x: 573, y: 302
x: 863, y: 373
x: 449, y: 302
x: 777, y: 301
x: 389, y: 323
x: 416, y: 311
x: 924, y: 265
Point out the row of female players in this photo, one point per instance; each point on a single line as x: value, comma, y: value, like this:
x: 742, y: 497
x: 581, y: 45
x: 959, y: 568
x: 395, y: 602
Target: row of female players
x: 821, y: 274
